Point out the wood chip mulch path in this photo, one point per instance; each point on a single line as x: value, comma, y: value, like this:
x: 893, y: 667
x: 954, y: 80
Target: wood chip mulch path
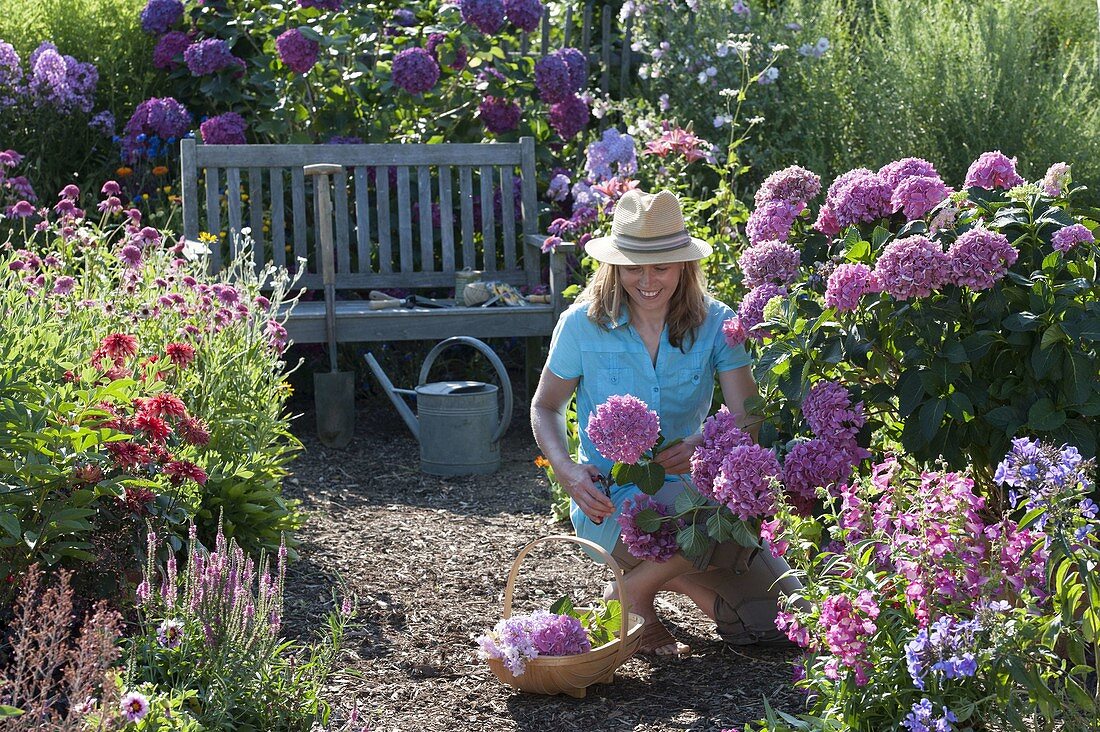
x: 427, y: 558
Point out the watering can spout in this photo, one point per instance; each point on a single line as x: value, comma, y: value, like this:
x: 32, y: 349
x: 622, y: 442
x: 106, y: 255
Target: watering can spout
x: 392, y: 393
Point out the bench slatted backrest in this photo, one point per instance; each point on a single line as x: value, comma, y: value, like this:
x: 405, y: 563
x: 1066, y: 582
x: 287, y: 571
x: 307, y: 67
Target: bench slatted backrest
x: 406, y: 215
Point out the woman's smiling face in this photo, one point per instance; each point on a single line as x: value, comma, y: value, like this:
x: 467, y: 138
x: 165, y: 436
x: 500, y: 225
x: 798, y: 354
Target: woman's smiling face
x: 651, y: 286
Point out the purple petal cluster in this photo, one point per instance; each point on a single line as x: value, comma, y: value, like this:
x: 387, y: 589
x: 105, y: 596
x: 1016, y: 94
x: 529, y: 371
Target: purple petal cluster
x: 1042, y: 474
x: 913, y: 266
x: 296, y: 51
x: 560, y: 635
x: 163, y: 117
x: 993, y: 170
x: 209, y: 56
x: 947, y: 647
x: 499, y: 115
x: 720, y: 435
x: 159, y: 15
x: 169, y: 50
x: 552, y: 79
x: 772, y: 221
x: 623, y: 428
x: 613, y: 155
x: 224, y: 129
x: 769, y: 261
x: 59, y: 81
x: 415, y: 70
x: 793, y: 184
x: 859, y: 197
x: 744, y: 481
x: 485, y: 15
x: 569, y: 117
x: 826, y: 221
x: 521, y: 638
x: 1068, y: 237
x: 897, y: 171
x: 657, y: 546
x: 980, y: 258
x: 847, y: 284
x: 1053, y: 183
x: 750, y: 313
x: 578, y: 66
x: 815, y: 463
x: 524, y: 14
x: 915, y: 196
x: 922, y: 718
x: 829, y: 411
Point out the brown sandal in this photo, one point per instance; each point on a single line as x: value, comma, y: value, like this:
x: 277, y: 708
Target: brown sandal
x: 656, y: 636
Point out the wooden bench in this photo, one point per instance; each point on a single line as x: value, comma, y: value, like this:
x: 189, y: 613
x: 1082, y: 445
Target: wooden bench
x: 406, y: 216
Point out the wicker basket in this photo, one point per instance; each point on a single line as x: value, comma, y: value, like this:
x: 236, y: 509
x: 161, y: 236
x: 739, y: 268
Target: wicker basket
x: 572, y: 675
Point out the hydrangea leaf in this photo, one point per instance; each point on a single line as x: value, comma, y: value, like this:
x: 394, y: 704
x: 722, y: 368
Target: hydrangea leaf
x: 648, y: 520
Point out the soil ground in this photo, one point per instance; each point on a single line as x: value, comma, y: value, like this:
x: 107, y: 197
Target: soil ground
x: 428, y: 557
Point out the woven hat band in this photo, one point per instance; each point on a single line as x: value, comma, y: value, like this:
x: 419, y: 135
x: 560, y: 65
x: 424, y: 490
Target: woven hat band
x: 663, y: 243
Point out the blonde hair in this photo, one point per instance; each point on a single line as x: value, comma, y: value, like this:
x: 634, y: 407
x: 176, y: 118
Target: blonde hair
x: 687, y: 308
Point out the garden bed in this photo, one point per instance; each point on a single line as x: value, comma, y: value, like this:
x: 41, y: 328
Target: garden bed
x: 427, y: 558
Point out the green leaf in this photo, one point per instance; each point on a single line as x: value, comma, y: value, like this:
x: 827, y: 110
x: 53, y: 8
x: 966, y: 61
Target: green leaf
x: 1052, y: 335
x: 720, y: 526
x: 977, y: 344
x: 6, y: 711
x: 1020, y: 322
x: 10, y: 524
x: 931, y: 417
x: 959, y: 405
x: 1006, y: 418
x: 910, y: 391
x: 625, y: 473
x: 1044, y: 416
x: 693, y: 542
x: 564, y: 606
x: 651, y: 478
x: 745, y: 535
x: 648, y: 520
x: 688, y: 499
x: 955, y: 352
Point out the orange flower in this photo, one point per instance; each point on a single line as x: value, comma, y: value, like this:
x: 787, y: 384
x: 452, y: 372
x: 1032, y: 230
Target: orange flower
x: 160, y: 170
x: 124, y: 172
x: 541, y: 462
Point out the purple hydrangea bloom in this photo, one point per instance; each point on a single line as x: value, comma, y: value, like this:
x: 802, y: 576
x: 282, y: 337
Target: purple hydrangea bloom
x: 578, y: 67
x: 169, y: 50
x: 912, y: 267
x: 1068, y: 237
x: 415, y: 70
x: 847, y: 284
x: 793, y: 184
x: 1053, y: 183
x: 826, y: 221
x: 897, y: 171
x: 744, y: 481
x: 917, y: 195
x: 296, y: 51
x: 817, y: 463
x: 769, y: 261
x: 209, y: 56
x: 658, y: 546
x: 164, y: 117
x: 993, y: 170
x: 485, y: 15
x: 159, y: 15
x: 435, y: 40
x: 552, y: 78
x: 861, y: 199
x: 979, y: 258
x: 103, y: 123
x: 772, y: 221
x: 829, y: 411
x: 560, y: 635
x: 751, y: 314
x: 569, y: 116
x: 224, y: 129
x: 720, y: 435
x: 623, y: 428
x: 321, y: 4
x: 614, y: 154
x: 524, y: 14
x: 499, y: 115
x: 404, y: 18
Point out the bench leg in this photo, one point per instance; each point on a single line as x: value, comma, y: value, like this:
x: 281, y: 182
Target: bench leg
x: 533, y: 364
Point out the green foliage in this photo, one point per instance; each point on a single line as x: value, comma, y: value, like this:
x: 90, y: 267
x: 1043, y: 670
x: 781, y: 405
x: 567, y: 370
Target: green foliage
x: 602, y: 622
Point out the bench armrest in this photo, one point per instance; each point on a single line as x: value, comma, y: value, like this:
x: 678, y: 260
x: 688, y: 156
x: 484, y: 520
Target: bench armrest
x: 557, y: 268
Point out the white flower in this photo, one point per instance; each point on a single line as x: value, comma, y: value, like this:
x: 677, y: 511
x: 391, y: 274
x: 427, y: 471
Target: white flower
x: 731, y: 93
x: 742, y: 47
x: 192, y: 249
x: 755, y: 120
x: 702, y: 78
x: 779, y: 47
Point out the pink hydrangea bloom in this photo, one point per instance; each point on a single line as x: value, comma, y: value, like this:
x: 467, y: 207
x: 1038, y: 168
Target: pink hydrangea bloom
x: 720, y: 435
x: 1054, y: 182
x: 744, y: 481
x: 623, y: 428
x: 750, y: 314
x: 897, y: 171
x: 818, y: 463
x: 861, y: 199
x: 979, y: 258
x: 296, y: 51
x: 793, y: 184
x: 829, y: 411
x: 769, y: 261
x: 657, y: 546
x: 847, y: 284
x: 993, y: 170
x: 560, y: 635
x: 1068, y: 237
x: 914, y: 266
x: 826, y: 221
x: 734, y: 331
x: 772, y: 220
x: 569, y: 116
x: 916, y: 196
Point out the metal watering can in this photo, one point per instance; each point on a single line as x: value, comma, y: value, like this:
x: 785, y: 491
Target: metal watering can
x: 458, y: 427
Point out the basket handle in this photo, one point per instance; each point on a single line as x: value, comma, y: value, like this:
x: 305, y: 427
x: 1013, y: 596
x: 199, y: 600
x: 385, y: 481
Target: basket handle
x: 616, y: 571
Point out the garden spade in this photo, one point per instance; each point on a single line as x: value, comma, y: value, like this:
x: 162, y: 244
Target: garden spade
x: 334, y: 392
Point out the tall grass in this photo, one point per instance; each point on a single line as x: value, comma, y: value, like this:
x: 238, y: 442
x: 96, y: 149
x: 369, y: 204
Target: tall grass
x: 940, y: 80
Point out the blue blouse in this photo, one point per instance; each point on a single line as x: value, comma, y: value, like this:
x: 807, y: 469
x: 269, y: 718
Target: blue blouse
x: 615, y: 361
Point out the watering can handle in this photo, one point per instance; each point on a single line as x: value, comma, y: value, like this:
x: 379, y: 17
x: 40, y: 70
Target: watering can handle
x: 505, y: 382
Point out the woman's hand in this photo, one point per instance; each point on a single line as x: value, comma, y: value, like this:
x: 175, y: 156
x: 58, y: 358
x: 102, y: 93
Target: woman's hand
x: 579, y: 481
x: 677, y: 459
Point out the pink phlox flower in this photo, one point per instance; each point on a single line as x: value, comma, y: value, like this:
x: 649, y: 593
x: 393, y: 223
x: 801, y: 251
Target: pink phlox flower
x: 993, y: 170
x: 788, y: 623
x: 769, y: 534
x: 623, y: 428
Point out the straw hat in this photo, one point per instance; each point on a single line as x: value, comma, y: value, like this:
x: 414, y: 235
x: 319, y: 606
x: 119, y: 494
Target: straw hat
x: 647, y: 228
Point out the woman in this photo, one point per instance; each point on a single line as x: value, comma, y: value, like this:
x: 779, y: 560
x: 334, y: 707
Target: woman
x: 646, y: 326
